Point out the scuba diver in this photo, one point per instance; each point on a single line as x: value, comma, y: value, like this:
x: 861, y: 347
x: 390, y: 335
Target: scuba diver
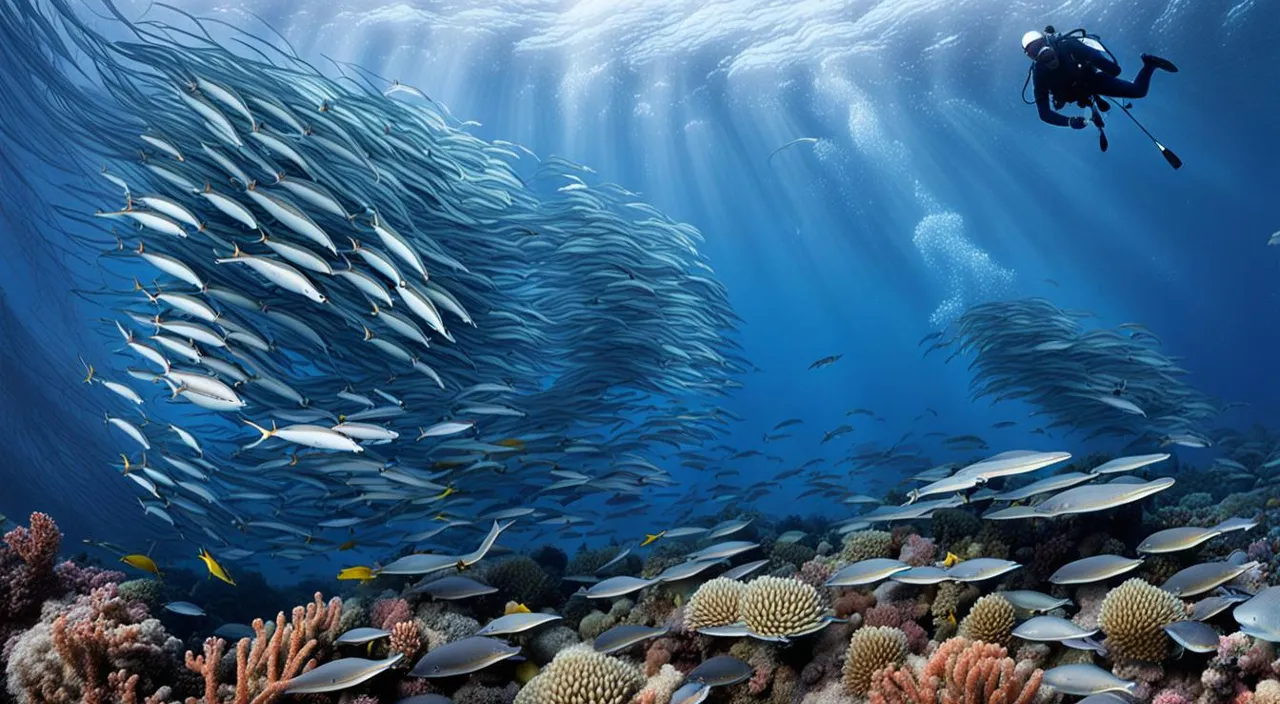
x: 1077, y: 68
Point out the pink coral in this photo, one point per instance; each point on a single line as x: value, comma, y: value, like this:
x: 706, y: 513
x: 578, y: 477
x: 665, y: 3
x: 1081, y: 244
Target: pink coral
x: 883, y: 615
x: 917, y: 639
x: 84, y: 579
x: 26, y: 570
x: 388, y: 612
x: 1170, y: 696
x: 815, y: 573
x: 918, y: 551
x: 853, y: 601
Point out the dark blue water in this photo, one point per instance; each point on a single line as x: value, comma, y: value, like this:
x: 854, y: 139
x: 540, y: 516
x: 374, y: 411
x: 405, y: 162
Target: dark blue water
x: 933, y: 188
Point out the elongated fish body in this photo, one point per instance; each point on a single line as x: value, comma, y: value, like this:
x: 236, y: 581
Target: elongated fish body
x: 292, y: 217
x: 278, y: 273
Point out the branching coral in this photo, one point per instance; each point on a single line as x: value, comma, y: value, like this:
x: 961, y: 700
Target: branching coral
x: 960, y: 672
x: 1134, y: 615
x: 265, y: 665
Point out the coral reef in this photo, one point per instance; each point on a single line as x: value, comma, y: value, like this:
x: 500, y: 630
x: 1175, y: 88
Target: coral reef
x: 522, y: 579
x: 959, y: 672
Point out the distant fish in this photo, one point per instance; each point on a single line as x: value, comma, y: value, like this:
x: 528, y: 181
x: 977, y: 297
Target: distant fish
x: 721, y: 550
x: 1275, y: 239
x: 826, y: 361
x: 234, y: 631
x: 184, y: 608
x: 615, y: 560
x: 792, y: 143
x: 1127, y: 464
x: 728, y: 528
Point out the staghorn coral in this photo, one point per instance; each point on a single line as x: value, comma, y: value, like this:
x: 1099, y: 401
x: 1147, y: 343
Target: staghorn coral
x: 866, y: 544
x: 959, y: 672
x: 580, y: 675
x: 871, y: 649
x: 773, y: 606
x: 520, y: 578
x: 716, y: 603
x: 1133, y: 617
x: 990, y: 620
x: 276, y: 654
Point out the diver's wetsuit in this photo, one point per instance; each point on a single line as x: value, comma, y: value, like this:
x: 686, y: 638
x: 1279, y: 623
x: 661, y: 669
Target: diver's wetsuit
x: 1083, y: 72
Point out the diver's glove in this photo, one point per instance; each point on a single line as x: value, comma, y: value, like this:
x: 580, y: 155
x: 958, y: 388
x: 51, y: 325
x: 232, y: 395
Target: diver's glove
x: 1077, y: 122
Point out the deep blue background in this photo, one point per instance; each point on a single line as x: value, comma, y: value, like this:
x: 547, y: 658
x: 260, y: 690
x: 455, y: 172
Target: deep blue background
x: 815, y: 248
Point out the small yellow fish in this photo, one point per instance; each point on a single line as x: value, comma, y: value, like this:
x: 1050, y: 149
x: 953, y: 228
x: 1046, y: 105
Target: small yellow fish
x: 679, y: 600
x: 526, y: 671
x: 515, y: 608
x: 349, y: 545
x: 215, y: 569
x: 362, y: 573
x: 652, y: 537
x: 449, y: 491
x: 951, y: 618
x: 951, y: 560
x: 141, y: 562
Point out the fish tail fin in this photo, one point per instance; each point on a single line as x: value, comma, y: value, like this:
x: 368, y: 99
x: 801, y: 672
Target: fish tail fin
x: 368, y: 334
x: 265, y: 433
x: 375, y: 308
x: 252, y: 185
x: 141, y: 247
x: 279, y: 176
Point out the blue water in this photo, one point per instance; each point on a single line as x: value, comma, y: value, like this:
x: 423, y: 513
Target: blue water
x: 932, y: 187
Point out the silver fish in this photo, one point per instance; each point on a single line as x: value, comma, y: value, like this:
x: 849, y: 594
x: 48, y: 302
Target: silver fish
x: 1051, y: 628
x: 337, y: 675
x: 1128, y: 464
x: 867, y: 572
x: 1032, y: 601
x: 1084, y: 679
x: 516, y: 623
x: 452, y: 588
x: 980, y: 569
x: 463, y: 657
x: 1195, y: 636
x: 624, y: 636
x: 184, y: 608
x: 744, y: 569
x: 1094, y: 569
x: 721, y: 671
x: 1204, y: 577
x: 360, y: 636
x: 618, y: 586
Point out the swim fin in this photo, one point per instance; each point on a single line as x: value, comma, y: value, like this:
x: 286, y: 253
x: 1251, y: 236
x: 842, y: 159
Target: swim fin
x: 1162, y: 64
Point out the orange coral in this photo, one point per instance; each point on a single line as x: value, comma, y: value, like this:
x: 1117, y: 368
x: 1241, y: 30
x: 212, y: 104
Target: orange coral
x: 960, y: 672
x: 265, y: 665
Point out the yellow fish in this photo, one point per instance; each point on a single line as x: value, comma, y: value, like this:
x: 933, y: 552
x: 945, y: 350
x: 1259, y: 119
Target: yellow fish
x: 362, y: 573
x: 951, y: 618
x: 141, y: 562
x: 447, y: 492
x: 515, y: 608
x: 652, y: 537
x: 215, y: 569
x: 951, y: 560
x: 349, y: 545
